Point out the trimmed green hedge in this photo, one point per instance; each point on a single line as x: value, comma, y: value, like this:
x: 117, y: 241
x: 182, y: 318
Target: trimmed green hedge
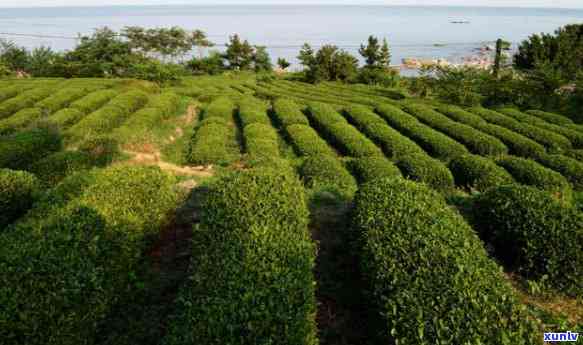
x: 67, y: 117
x: 53, y: 168
x: 84, y: 254
x: 550, y: 140
x: 222, y: 107
x: 210, y: 145
x: 435, y: 143
x: 307, y: 142
x: 252, y: 268
x: 570, y: 168
x: 110, y: 116
x: 551, y: 117
x: 261, y: 144
x: 531, y: 173
x: 576, y: 154
x: 534, y: 234
x: 62, y: 98
x: 287, y: 113
x: 517, y: 144
x: 428, y: 279
x: 27, y: 99
x: 422, y: 168
x: 478, y: 173
x: 93, y: 101
x: 102, y: 150
x: 21, y: 149
x: 326, y: 173
x: 18, y: 190
x: 252, y: 111
x: 393, y: 143
x: 9, y: 92
x: 367, y: 169
x: 476, y: 141
x: 341, y: 134
x: 20, y: 120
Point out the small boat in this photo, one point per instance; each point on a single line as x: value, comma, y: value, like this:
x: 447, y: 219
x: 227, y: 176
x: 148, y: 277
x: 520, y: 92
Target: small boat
x: 460, y: 22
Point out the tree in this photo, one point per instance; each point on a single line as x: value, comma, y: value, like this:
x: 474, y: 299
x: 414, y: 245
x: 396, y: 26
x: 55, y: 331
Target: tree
x: 308, y: 60
x: 371, y: 52
x: 324, y: 63
x: 14, y: 57
x: 500, y: 58
x: 345, y: 66
x: 44, y: 62
x: 261, y: 60
x: 385, y: 55
x: 239, y: 54
x: 212, y: 64
x: 283, y: 63
x: 157, y: 72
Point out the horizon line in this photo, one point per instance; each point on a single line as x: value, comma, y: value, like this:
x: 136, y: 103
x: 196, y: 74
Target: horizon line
x: 287, y: 4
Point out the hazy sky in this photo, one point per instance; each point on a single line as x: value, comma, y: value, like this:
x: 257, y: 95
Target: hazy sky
x: 521, y: 3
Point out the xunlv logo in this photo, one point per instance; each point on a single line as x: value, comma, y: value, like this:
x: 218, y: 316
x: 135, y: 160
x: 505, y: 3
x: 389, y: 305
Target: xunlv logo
x: 568, y: 336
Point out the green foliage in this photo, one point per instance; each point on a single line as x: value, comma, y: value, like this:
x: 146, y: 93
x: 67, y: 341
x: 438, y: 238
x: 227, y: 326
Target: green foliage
x: 457, y: 294
x: 478, y: 173
x: 251, y: 111
x: 171, y: 42
x: 326, y: 173
x: 570, y: 168
x: 377, y: 76
x: 26, y: 99
x: 20, y: 120
x: 23, y: 148
x: 53, y: 168
x: 534, y: 234
x: 61, y: 99
x: 422, y: 168
x: 65, y: 118
x: 93, y: 101
x: 283, y: 63
x: 261, y: 60
x: 261, y: 143
x: 435, y: 143
x: 307, y: 142
x: 252, y: 248
x: 393, y: 143
x: 370, y: 168
x: 531, y: 173
x: 342, y: 135
x: 157, y: 72
x: 210, y: 145
x: 328, y: 63
x: 239, y: 54
x: 517, y: 144
x: 212, y: 64
x: 12, y: 56
x: 551, y: 117
x: 287, y: 112
x: 476, y: 141
x: 18, y: 191
x: 102, y: 150
x: 220, y: 107
x: 87, y: 251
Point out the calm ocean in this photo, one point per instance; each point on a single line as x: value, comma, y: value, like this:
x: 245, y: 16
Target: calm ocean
x: 421, y: 32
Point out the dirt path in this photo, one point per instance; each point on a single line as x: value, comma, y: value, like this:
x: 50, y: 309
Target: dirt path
x: 140, y: 158
x: 187, y: 119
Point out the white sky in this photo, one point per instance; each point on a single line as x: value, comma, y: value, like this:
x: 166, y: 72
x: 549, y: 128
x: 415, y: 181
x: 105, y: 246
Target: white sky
x: 517, y: 3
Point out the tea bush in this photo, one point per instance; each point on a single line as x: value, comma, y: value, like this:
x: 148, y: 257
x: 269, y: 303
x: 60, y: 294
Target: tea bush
x: 18, y: 151
x: 20, y: 120
x: 209, y: 145
x: 370, y: 168
x: 287, y: 113
x: 478, y: 173
x: 86, y: 251
x: 18, y: 190
x: 531, y: 173
x: 53, y: 168
x: 252, y: 275
x: 67, y: 117
x: 550, y: 117
x: 222, y: 107
x: 307, y: 142
x: 27, y: 99
x: 93, y: 101
x: 570, y: 168
x: 326, y: 173
x: 422, y: 168
x: 534, y: 234
x: 433, y: 142
x: 456, y: 295
x: 476, y: 141
x: 252, y: 111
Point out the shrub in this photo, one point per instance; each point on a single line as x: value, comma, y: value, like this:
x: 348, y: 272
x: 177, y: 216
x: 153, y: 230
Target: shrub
x: 393, y: 143
x: 18, y: 190
x: 427, y: 276
x: 27, y: 99
x: 576, y: 154
x: 550, y: 117
x: 422, y: 168
x: 435, y: 143
x: 9, y: 92
x: 19, y: 120
x: 261, y: 143
x: 370, y: 168
x: 101, y: 150
x: 221, y: 107
x: 257, y: 253
x: 531, y: 173
x: 61, y: 99
x: 67, y: 117
x: 21, y: 149
x: 574, y: 135
x: 53, y: 168
x: 479, y: 173
x: 307, y: 142
x: 324, y: 115
x: 166, y: 103
x: 550, y: 140
x: 476, y: 141
x: 534, y: 234
x: 87, y: 251
x: 570, y: 168
x: 326, y: 173
x: 210, y: 145
x: 287, y: 113
x: 517, y: 144
x: 93, y: 101
x: 252, y: 111
x: 110, y: 116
